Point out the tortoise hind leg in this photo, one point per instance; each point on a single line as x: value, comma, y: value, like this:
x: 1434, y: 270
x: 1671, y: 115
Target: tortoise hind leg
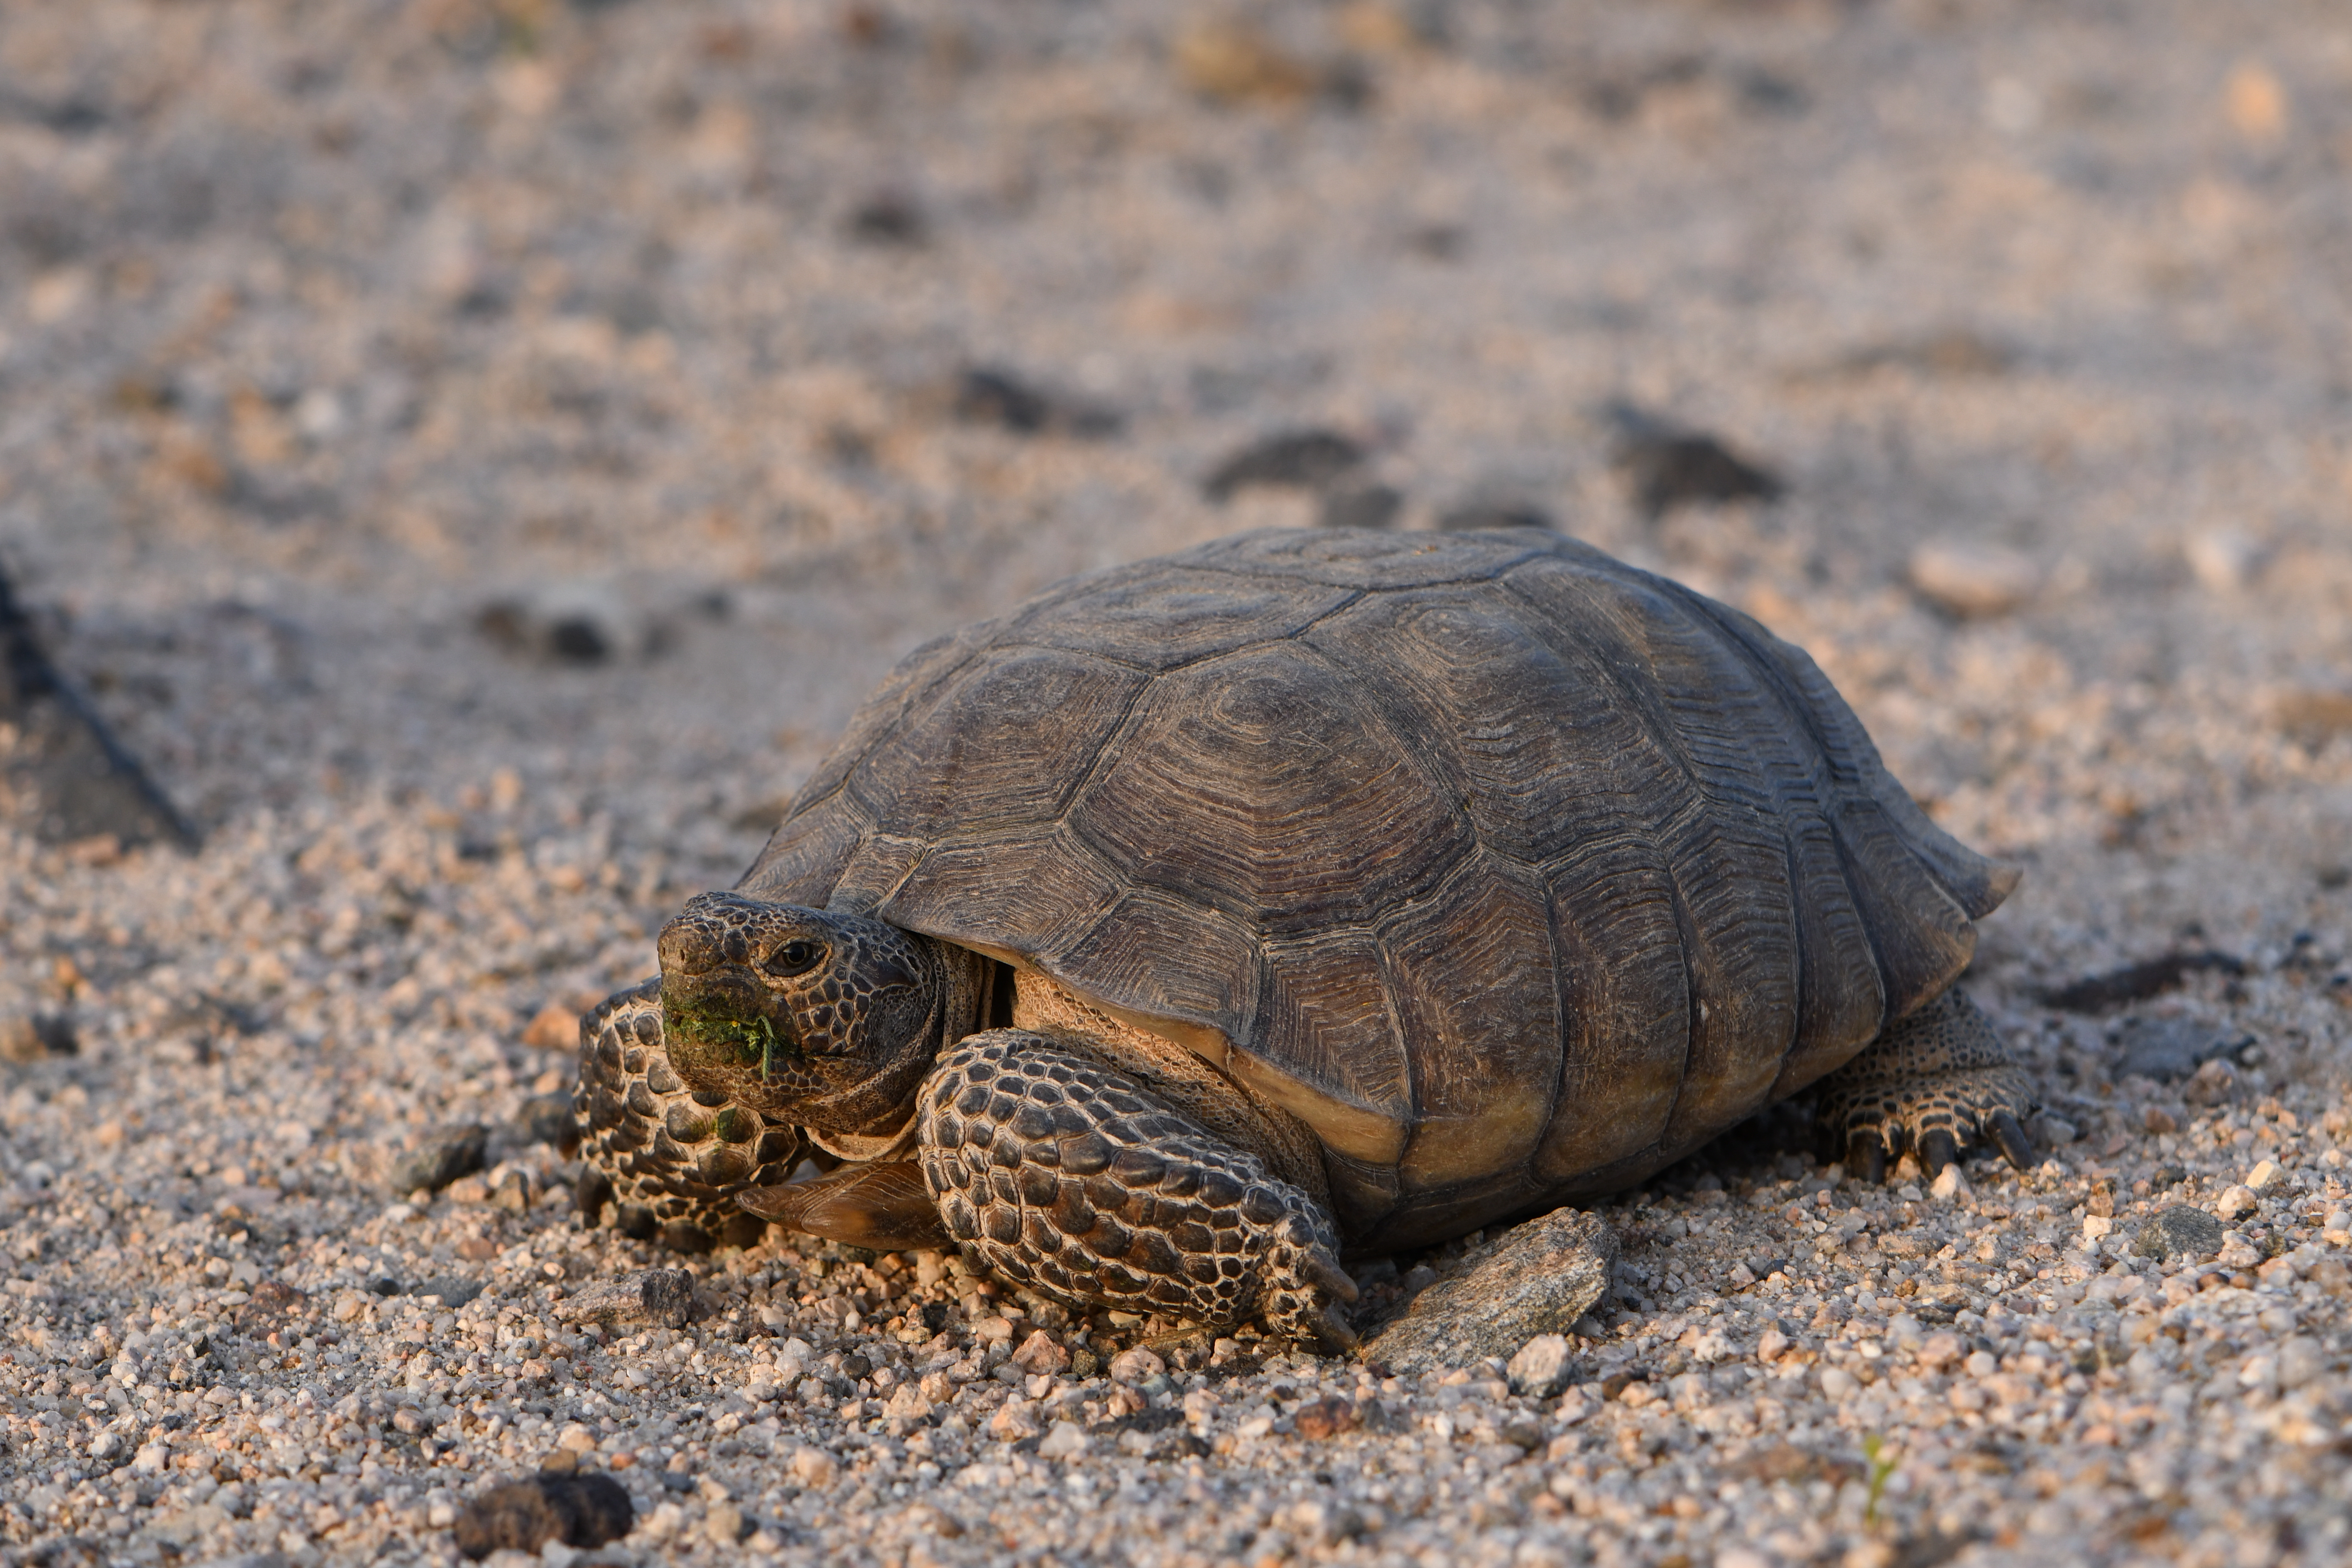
x: 1059, y: 1171
x: 1936, y: 1082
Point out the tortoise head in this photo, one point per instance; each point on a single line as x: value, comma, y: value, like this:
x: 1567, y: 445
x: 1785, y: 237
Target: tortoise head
x: 821, y: 1017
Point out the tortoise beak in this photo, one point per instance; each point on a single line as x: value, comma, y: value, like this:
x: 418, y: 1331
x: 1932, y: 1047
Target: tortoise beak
x: 725, y: 1019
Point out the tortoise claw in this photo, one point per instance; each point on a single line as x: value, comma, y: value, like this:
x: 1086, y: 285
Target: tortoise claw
x: 1865, y: 1152
x: 1320, y: 1269
x: 591, y: 1193
x: 1937, y: 1149
x: 1334, y: 1331
x: 2010, y: 1135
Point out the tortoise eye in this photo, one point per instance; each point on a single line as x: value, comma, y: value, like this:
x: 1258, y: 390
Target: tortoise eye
x: 795, y: 957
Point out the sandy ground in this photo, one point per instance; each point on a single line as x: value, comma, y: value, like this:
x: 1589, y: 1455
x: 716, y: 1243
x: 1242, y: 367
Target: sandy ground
x: 350, y: 353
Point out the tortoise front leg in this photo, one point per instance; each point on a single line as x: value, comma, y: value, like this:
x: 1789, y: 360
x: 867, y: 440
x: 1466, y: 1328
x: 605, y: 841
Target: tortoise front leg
x: 1063, y: 1173
x: 1935, y: 1082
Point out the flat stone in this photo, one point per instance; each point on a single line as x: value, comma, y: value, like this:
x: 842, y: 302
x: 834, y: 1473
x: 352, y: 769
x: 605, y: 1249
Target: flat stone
x: 2178, y: 1233
x: 2164, y: 1049
x: 1299, y: 460
x: 1970, y: 580
x: 455, y: 1291
x: 1539, y: 1279
x: 661, y: 1296
x: 441, y: 1157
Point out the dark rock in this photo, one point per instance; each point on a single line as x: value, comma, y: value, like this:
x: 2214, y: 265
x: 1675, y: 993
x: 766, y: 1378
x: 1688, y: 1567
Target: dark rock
x: 441, y: 1158
x: 1303, y: 460
x: 30, y: 1038
x: 1361, y: 506
x: 548, y: 1118
x: 2178, y: 1232
x: 1669, y: 466
x: 565, y: 623
x: 72, y: 780
x: 889, y: 218
x: 1493, y: 514
x: 453, y: 1290
x: 1539, y: 1279
x: 580, y: 1511
x: 2137, y: 981
x: 2164, y: 1049
x: 987, y: 396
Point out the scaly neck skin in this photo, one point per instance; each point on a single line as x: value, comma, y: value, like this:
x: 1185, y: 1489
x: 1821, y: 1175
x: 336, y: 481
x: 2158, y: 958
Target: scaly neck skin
x: 819, y: 1018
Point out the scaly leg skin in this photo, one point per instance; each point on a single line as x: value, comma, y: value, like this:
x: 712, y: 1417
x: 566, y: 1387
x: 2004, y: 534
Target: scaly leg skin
x: 1063, y: 1173
x: 668, y: 1160
x: 1936, y: 1081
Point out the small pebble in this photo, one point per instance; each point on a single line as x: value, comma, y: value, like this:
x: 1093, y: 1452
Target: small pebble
x: 1543, y: 1366
x: 1064, y: 1440
x: 1973, y: 581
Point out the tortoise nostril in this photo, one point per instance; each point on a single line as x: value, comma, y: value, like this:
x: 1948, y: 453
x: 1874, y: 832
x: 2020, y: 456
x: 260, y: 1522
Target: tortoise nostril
x: 691, y: 946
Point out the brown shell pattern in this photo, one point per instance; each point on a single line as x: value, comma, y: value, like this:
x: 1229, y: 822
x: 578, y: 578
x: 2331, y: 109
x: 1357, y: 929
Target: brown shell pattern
x: 1517, y: 872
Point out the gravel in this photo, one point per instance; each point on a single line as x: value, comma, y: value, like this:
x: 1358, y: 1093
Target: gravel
x: 477, y: 453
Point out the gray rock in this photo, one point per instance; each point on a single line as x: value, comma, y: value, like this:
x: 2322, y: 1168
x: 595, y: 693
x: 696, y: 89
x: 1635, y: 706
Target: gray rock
x: 1543, y: 1367
x: 2178, y: 1232
x: 454, y: 1291
x: 662, y: 1296
x: 1537, y: 1278
x: 2164, y: 1049
x: 444, y: 1155
x: 1299, y: 460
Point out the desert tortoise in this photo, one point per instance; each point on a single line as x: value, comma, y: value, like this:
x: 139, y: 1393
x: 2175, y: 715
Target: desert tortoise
x: 1307, y: 892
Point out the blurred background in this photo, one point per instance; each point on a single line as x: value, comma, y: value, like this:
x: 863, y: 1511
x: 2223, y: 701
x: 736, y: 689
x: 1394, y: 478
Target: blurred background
x: 524, y: 429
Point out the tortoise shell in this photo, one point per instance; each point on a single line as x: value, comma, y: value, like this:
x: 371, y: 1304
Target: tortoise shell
x: 1514, y: 872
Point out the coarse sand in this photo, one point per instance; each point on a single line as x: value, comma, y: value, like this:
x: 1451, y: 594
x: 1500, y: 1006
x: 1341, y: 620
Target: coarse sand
x: 479, y: 451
